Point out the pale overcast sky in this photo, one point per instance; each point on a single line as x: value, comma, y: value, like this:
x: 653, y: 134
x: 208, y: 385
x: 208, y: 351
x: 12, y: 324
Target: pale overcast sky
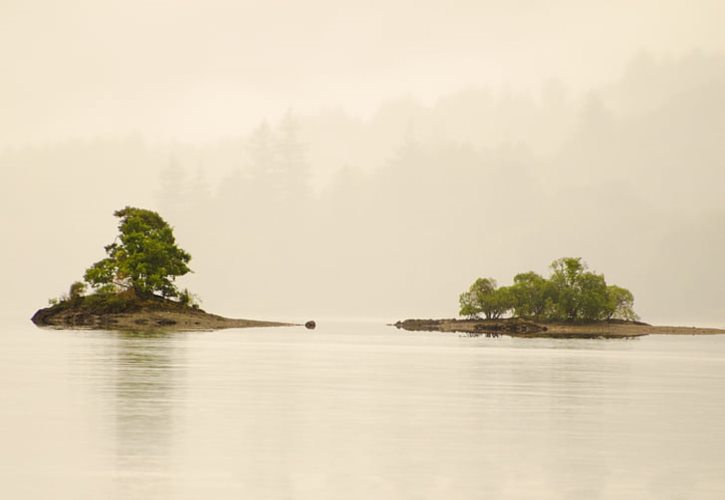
x: 195, y: 70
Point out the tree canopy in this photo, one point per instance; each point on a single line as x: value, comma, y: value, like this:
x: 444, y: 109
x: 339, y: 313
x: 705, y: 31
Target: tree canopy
x: 144, y: 256
x: 571, y: 293
x: 485, y: 297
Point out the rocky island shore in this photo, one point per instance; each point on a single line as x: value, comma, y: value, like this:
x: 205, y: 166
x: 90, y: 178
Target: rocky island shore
x: 128, y: 312
x: 133, y: 286
x: 515, y: 327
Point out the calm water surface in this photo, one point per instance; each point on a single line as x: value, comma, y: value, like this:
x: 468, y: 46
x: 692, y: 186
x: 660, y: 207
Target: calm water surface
x: 358, y: 411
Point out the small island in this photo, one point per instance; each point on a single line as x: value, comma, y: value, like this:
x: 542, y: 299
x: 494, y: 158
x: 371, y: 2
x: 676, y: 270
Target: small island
x: 133, y: 286
x: 514, y: 327
x: 572, y: 303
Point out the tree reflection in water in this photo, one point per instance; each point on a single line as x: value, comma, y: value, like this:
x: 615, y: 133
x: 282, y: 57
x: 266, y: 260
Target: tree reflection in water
x: 147, y: 384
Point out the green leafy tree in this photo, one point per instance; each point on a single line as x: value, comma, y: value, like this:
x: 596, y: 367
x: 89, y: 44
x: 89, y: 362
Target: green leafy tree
x: 620, y: 304
x: 484, y: 297
x: 564, y: 277
x: 483, y: 290
x: 143, y: 258
x: 501, y: 302
x: 572, y: 293
x: 530, y: 293
x: 593, y: 299
x: 468, y: 306
x: 577, y: 293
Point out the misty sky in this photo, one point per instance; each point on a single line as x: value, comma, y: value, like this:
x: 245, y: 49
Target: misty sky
x: 194, y: 70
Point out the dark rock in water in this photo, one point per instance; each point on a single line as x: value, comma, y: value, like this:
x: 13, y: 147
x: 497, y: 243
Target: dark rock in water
x: 310, y: 325
x: 41, y: 316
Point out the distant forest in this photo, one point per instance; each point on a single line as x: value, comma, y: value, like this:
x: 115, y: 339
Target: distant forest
x: 392, y: 215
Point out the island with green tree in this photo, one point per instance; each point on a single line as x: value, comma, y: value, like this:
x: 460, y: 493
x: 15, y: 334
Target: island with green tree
x: 134, y: 287
x: 573, y: 302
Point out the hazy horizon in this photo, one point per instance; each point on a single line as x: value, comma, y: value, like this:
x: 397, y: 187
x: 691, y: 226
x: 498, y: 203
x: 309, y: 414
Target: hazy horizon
x: 193, y: 72
x: 369, y: 160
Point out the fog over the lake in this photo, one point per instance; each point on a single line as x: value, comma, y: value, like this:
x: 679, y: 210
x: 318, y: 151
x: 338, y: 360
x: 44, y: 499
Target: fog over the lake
x: 323, y: 159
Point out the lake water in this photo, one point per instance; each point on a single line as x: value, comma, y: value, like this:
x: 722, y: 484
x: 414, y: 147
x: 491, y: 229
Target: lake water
x: 358, y: 411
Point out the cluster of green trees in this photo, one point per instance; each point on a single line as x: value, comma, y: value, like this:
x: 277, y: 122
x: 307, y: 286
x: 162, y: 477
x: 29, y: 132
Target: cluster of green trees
x: 144, y: 259
x: 571, y: 293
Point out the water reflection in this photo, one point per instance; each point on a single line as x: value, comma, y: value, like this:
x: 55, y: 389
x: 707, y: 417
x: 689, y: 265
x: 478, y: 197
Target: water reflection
x: 360, y: 412
x: 145, y: 382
